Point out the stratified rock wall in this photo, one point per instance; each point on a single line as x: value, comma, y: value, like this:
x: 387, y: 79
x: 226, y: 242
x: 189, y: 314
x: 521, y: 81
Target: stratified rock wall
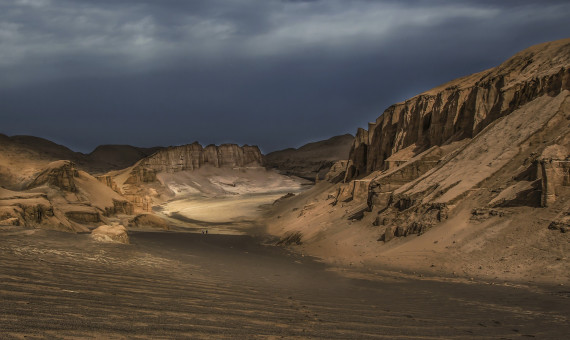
x: 462, y: 108
x: 60, y: 174
x: 194, y: 156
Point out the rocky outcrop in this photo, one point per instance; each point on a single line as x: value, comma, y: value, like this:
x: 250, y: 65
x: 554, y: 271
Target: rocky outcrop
x: 121, y: 207
x: 194, y: 156
x: 111, y: 234
x: 140, y: 185
x: 25, y: 209
x: 462, y: 108
x: 502, y: 133
x: 554, y: 173
x: 337, y: 172
x: 60, y: 174
x: 108, y: 181
x: 141, y: 174
x: 148, y: 221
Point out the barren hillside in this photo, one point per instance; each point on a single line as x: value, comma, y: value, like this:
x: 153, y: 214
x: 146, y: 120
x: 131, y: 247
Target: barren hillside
x: 310, y: 160
x: 470, y: 178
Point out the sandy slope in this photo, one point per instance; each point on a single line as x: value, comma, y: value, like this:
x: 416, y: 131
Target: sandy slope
x: 506, y: 242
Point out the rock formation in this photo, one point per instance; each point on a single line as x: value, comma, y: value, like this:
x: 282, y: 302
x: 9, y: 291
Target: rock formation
x: 23, y: 209
x: 61, y: 197
x: 148, y: 221
x: 60, y: 174
x: 479, y: 167
x: 431, y: 151
x: 194, y: 156
x: 554, y: 173
x: 461, y: 108
x: 337, y: 172
x: 140, y: 183
x: 111, y: 234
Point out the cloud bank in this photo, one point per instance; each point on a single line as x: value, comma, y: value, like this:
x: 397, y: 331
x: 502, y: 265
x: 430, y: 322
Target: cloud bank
x: 272, y: 73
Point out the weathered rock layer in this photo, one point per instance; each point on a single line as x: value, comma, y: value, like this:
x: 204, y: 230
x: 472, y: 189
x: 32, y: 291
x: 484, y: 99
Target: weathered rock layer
x: 461, y: 108
x: 194, y: 156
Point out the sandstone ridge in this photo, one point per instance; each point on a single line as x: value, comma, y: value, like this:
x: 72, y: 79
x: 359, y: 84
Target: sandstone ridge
x: 165, y: 173
x: 461, y: 108
x: 472, y: 177
x: 194, y: 156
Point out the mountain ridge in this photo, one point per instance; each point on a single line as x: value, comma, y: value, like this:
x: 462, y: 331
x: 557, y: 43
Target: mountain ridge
x: 461, y: 108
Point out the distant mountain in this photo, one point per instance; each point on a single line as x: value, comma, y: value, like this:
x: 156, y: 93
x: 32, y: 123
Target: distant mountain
x: 115, y: 157
x: 21, y: 157
x: 310, y: 160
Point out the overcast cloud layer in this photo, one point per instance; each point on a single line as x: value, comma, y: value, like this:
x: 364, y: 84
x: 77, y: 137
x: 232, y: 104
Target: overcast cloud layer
x: 272, y: 73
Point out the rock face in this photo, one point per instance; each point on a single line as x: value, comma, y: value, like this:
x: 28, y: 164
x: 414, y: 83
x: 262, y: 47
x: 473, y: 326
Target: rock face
x: 108, y: 181
x: 194, y: 156
x: 492, y: 140
x: 337, y: 172
x: 554, y: 173
x: 311, y: 161
x: 140, y: 183
x: 148, y: 221
x: 462, y: 108
x: 63, y: 198
x: 60, y: 174
x: 29, y: 210
x: 111, y: 234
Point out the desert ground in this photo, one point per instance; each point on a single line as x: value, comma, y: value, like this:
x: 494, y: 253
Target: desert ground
x: 235, y: 283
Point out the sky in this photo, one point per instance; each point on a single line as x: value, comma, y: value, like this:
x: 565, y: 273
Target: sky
x: 273, y: 73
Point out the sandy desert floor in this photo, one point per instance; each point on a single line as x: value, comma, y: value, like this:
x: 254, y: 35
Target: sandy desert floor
x: 219, y: 210
x: 185, y: 284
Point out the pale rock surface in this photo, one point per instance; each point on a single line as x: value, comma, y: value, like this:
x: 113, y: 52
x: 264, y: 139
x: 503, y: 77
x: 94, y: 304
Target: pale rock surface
x: 171, y: 171
x: 148, y: 221
x: 111, y: 234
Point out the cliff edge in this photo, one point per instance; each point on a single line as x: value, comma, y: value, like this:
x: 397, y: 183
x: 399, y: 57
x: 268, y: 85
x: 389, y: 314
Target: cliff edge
x: 461, y: 108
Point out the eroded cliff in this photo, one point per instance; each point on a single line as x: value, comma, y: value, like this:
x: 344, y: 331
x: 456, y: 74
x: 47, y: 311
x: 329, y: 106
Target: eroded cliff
x: 461, y: 108
x: 194, y: 156
x: 471, y: 177
x: 142, y: 185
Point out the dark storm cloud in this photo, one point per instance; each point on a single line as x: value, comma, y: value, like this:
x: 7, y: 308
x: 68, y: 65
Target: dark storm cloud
x: 272, y: 73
